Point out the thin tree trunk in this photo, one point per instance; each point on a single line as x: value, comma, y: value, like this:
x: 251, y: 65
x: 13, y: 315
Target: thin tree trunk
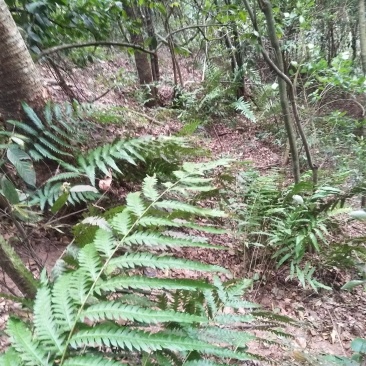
x: 141, y: 60
x: 362, y: 26
x: 19, y: 78
x: 266, y: 7
x: 153, y: 43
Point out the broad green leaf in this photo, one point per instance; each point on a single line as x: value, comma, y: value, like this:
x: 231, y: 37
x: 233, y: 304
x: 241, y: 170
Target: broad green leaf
x: 60, y: 202
x: 9, y: 191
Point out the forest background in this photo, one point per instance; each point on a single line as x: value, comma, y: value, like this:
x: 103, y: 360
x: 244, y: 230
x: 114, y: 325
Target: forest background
x: 165, y: 166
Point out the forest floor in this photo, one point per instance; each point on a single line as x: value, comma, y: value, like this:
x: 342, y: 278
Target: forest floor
x: 328, y: 320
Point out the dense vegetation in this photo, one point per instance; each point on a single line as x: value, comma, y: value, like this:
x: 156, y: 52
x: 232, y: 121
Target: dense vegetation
x: 123, y: 292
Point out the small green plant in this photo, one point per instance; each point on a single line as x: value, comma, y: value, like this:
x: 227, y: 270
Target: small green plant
x: 290, y: 222
x: 51, y: 138
x: 112, y: 300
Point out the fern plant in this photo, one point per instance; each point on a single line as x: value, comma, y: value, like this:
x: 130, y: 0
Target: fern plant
x: 290, y: 222
x: 52, y: 137
x: 105, y: 307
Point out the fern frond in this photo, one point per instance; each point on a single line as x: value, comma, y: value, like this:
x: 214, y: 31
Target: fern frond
x: 185, y: 207
x: 133, y: 260
x: 10, y: 358
x: 63, y: 177
x: 33, y: 116
x: 115, y: 310
x: 135, y: 204
x: 30, y: 351
x: 109, y: 335
x: 204, y: 363
x: 151, y: 239
x: 55, y: 138
x: 218, y: 335
x: 91, y: 360
x: 89, y: 260
x: 79, y: 286
x: 148, y: 283
x: 62, y: 306
x: 148, y: 188
x: 23, y: 126
x: 45, y: 324
x: 244, y: 108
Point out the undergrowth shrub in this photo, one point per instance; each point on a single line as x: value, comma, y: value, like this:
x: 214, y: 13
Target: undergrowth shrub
x: 117, y: 300
x: 291, y: 223
x: 216, y: 97
x: 51, y: 138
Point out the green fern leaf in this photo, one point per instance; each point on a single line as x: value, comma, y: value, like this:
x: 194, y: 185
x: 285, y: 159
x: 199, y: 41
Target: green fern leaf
x: 63, y: 177
x: 108, y: 335
x: 131, y: 146
x: 62, y: 304
x: 89, y: 169
x: 147, y: 221
x: 185, y: 207
x: 45, y: 153
x: 118, y: 152
x: 148, y: 188
x: 30, y: 351
x: 46, y: 328
x: 148, y: 283
x: 218, y: 335
x: 132, y: 260
x: 109, y: 310
x: 61, y: 142
x: 23, y: 126
x: 91, y: 360
x: 33, y: 116
x: 205, y: 363
x: 104, y: 242
x: 97, y: 221
x: 152, y: 240
x: 108, y: 159
x: 10, y: 358
x: 79, y: 286
x: 204, y: 228
x: 90, y: 261
x: 61, y: 119
x: 135, y: 204
x: 122, y: 222
x: 52, y: 147
x: 35, y: 155
x: 62, y: 133
x: 47, y: 112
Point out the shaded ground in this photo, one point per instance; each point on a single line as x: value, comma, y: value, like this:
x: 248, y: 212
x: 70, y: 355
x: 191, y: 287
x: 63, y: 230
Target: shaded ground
x: 329, y: 320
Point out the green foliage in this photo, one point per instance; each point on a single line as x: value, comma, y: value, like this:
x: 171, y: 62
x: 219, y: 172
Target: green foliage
x: 105, y: 307
x: 244, y: 108
x: 290, y: 222
x: 52, y: 137
x: 214, y: 98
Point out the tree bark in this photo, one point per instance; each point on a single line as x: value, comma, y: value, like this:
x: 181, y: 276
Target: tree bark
x: 143, y: 66
x: 362, y: 26
x: 266, y: 7
x: 19, y: 78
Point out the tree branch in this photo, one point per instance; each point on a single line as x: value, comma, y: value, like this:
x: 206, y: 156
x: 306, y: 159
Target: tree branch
x: 94, y: 43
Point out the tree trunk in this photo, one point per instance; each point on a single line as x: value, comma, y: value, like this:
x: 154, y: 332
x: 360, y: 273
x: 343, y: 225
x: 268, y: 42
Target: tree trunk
x: 19, y: 78
x: 266, y: 7
x: 362, y: 26
x: 153, y: 43
x: 143, y: 66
